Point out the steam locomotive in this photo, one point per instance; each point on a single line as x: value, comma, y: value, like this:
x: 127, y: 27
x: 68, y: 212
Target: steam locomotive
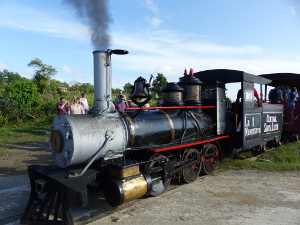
x: 138, y: 152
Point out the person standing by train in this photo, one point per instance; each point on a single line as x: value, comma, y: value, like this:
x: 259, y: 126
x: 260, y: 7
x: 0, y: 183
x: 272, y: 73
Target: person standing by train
x: 62, y: 106
x: 121, y: 105
x: 286, y: 92
x: 275, y: 95
x: 118, y: 98
x: 84, y: 102
x: 76, y: 107
x: 291, y: 103
x: 131, y: 104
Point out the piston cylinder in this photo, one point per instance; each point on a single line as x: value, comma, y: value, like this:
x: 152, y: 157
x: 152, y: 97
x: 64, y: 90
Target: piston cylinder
x: 118, y: 191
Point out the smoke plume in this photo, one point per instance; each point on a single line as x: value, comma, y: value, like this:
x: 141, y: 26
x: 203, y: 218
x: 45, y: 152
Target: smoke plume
x: 95, y: 14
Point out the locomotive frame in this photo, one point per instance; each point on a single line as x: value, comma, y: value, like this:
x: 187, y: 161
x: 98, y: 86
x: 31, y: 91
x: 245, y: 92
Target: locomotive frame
x: 157, y: 144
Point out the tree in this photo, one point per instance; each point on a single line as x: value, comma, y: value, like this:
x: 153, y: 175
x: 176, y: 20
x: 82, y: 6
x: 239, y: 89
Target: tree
x: 23, y: 96
x: 7, y: 111
x: 127, y: 88
x: 86, y: 88
x: 42, y: 75
x: 7, y: 77
x: 79, y: 88
x: 159, y: 83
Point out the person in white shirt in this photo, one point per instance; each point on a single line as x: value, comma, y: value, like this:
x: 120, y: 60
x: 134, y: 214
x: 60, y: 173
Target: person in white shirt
x: 76, y: 107
x: 83, y: 101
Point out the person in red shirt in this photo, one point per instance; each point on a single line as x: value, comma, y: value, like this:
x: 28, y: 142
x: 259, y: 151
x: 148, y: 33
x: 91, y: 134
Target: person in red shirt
x: 62, y: 107
x: 121, y: 105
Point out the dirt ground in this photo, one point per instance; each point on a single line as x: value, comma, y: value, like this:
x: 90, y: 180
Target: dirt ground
x: 247, y: 197
x: 20, y: 157
x: 234, y: 197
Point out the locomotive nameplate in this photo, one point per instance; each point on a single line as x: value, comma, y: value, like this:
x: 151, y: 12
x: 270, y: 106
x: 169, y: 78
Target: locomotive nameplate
x: 252, y: 126
x: 272, y: 122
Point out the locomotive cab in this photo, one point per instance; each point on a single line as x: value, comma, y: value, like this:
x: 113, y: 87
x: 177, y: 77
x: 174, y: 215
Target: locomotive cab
x: 250, y: 124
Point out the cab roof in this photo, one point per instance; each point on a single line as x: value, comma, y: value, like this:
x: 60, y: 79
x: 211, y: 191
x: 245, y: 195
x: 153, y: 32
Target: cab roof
x: 292, y: 79
x: 229, y: 76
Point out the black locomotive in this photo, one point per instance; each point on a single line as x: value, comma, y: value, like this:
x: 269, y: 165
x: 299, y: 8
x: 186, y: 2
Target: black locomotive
x: 137, y: 152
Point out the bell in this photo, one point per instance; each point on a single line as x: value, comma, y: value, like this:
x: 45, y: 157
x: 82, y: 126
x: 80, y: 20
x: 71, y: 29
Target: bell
x: 139, y: 89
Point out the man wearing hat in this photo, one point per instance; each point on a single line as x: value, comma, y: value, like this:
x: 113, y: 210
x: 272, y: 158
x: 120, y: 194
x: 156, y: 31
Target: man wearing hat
x: 121, y: 105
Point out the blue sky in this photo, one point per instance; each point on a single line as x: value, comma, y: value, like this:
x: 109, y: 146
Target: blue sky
x: 162, y: 36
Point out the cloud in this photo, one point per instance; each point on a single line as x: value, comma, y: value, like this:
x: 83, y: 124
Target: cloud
x: 292, y: 10
x: 67, y: 70
x: 30, y: 19
x: 74, y: 73
x: 154, y: 21
x: 152, y: 6
x: 166, y: 43
x: 169, y: 53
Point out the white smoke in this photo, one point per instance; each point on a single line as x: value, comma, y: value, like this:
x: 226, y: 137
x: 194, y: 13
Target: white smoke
x: 94, y: 14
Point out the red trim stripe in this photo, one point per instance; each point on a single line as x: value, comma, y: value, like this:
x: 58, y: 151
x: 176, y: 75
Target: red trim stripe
x: 173, y: 107
x: 187, y: 145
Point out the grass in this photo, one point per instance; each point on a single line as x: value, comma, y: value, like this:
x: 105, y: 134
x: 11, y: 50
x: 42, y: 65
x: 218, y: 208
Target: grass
x: 284, y: 158
x: 26, y: 135
x: 23, y: 146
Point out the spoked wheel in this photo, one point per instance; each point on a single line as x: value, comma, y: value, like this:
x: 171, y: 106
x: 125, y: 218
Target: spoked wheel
x: 211, y: 158
x: 155, y: 169
x: 191, y: 173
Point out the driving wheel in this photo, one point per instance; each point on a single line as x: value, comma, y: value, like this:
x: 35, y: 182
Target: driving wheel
x: 191, y: 173
x: 210, y: 159
x: 155, y: 168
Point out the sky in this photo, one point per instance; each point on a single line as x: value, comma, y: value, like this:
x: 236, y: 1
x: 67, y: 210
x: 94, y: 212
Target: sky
x: 161, y: 36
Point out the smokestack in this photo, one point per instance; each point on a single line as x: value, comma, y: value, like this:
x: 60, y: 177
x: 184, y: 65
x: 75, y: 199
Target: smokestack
x: 94, y: 14
x: 103, y: 80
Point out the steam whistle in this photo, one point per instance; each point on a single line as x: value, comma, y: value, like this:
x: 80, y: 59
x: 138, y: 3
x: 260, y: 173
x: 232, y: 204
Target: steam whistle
x: 141, y: 90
